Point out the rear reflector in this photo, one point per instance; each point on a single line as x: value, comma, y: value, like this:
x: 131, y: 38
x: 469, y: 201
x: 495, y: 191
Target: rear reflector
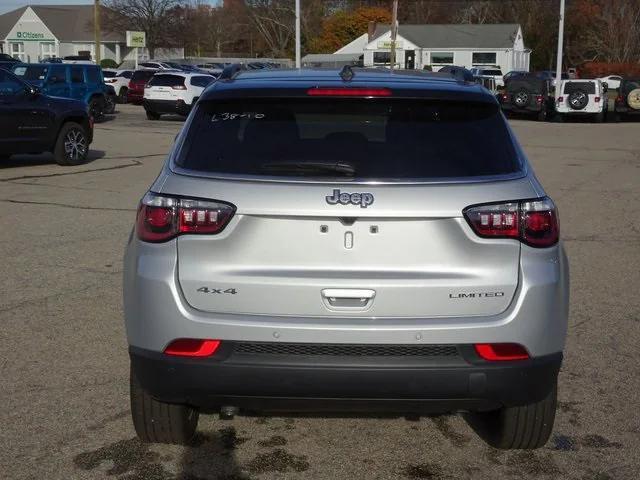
x: 500, y: 352
x: 162, y: 218
x: 533, y: 222
x: 597, y: 99
x: 349, y: 92
x: 192, y: 347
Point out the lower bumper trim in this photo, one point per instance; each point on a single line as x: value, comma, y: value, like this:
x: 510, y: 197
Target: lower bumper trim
x: 383, y: 385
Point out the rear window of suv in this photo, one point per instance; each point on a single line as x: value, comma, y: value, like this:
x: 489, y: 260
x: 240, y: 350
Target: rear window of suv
x: 367, y: 139
x: 142, y: 75
x: 166, y: 81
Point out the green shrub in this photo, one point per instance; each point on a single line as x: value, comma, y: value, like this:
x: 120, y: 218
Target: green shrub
x: 108, y: 63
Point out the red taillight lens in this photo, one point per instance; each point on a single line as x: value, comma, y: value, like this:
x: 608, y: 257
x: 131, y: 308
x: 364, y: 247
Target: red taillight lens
x: 597, y: 99
x: 349, y: 92
x: 501, y: 352
x: 192, y: 347
x: 619, y: 99
x: 162, y: 218
x: 540, y: 226
x: 539, y: 98
x: 533, y: 222
x: 505, y: 97
x: 560, y: 99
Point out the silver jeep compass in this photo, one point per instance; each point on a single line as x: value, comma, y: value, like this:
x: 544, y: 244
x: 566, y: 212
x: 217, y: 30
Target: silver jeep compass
x: 346, y: 240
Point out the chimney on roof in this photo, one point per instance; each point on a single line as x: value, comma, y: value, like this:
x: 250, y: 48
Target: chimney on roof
x: 371, y: 30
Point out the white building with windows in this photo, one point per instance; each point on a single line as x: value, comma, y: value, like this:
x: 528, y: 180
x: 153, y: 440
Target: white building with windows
x: 434, y: 46
x: 36, y: 32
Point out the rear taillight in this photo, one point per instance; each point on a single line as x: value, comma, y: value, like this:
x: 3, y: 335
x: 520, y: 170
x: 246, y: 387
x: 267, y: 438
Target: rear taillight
x: 192, y: 347
x: 619, y: 99
x: 597, y: 99
x: 505, y: 97
x: 501, y: 352
x: 161, y: 218
x: 539, y: 99
x: 533, y: 222
x: 560, y: 99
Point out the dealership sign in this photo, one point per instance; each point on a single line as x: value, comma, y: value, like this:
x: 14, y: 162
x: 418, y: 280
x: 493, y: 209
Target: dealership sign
x: 30, y: 36
x: 386, y: 44
x: 136, y: 39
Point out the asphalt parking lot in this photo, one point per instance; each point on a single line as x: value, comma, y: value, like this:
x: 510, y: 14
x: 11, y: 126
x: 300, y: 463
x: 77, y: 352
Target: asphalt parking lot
x: 64, y: 364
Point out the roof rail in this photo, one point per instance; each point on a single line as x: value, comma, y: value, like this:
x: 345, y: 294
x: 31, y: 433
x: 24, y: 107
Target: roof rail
x: 231, y: 71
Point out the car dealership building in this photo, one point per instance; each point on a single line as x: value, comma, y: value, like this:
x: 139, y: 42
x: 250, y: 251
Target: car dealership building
x: 37, y: 32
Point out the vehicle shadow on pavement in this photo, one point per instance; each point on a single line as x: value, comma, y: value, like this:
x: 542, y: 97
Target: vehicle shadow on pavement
x: 17, y: 161
x: 209, y: 457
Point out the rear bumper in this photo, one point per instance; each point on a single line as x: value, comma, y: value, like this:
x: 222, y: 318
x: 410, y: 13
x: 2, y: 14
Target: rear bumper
x: 289, y: 382
x: 528, y: 109
x: 166, y: 106
x: 626, y: 110
x: 134, y: 96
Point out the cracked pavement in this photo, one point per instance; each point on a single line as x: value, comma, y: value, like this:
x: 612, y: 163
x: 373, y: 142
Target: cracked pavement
x: 64, y: 365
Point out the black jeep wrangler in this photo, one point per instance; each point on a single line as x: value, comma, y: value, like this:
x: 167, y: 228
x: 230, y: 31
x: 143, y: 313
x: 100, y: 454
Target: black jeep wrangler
x: 528, y: 95
x: 628, y: 99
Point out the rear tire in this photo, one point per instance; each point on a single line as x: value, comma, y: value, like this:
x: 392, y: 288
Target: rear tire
x: 153, y: 115
x: 524, y: 427
x: 122, y: 95
x: 159, y: 422
x: 72, y: 146
x: 96, y: 108
x: 542, y: 115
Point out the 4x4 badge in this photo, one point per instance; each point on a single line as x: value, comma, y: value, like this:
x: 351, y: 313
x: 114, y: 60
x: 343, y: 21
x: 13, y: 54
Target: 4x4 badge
x: 363, y: 199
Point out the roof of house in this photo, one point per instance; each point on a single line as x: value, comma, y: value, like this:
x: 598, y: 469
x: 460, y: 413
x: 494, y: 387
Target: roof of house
x: 499, y: 35
x: 67, y: 22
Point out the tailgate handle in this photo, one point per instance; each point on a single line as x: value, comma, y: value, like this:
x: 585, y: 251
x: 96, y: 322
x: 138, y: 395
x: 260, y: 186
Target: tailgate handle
x: 348, y: 298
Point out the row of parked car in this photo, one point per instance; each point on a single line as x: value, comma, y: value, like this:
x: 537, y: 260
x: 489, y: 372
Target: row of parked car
x: 533, y: 96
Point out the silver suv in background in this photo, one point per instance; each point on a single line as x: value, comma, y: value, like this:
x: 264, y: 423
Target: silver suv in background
x: 323, y: 240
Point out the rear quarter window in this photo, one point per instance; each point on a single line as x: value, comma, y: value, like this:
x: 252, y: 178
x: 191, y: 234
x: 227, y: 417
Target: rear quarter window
x: 380, y: 139
x: 201, y: 80
x: 142, y: 75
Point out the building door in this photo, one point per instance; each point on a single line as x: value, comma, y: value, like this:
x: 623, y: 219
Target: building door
x: 410, y: 59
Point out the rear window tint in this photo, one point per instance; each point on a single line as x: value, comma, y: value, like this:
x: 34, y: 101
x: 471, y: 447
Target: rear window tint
x: 93, y: 75
x: 166, y: 81
x: 379, y: 138
x: 201, y: 80
x: 142, y: 75
x: 587, y: 87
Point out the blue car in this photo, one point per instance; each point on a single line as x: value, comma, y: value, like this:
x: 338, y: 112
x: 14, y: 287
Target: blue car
x: 77, y: 81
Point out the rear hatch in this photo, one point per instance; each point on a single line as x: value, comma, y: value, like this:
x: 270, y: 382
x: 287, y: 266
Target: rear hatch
x: 348, y: 207
x: 164, y: 86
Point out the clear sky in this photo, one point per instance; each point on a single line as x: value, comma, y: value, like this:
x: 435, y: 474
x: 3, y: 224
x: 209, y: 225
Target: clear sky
x: 8, y: 5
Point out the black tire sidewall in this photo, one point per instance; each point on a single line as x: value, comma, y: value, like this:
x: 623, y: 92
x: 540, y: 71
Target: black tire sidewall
x: 59, y: 152
x: 583, y: 104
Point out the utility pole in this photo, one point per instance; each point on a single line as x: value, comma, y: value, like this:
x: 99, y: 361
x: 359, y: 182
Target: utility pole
x: 297, y: 33
x: 96, y: 29
x: 560, y: 45
x: 394, y: 34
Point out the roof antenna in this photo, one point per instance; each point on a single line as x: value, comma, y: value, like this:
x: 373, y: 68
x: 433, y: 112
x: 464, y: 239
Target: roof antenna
x: 346, y: 73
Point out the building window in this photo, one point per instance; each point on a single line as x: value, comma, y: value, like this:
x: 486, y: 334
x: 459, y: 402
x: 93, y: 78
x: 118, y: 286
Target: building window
x: 483, y: 58
x: 382, y: 58
x: 442, y: 58
x: 47, y: 50
x: 17, y: 50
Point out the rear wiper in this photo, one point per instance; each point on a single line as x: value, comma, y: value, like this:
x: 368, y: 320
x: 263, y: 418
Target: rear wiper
x: 310, y: 168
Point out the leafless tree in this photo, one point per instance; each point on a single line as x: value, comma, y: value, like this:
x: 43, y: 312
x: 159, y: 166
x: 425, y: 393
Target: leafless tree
x: 157, y: 18
x: 274, y: 20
